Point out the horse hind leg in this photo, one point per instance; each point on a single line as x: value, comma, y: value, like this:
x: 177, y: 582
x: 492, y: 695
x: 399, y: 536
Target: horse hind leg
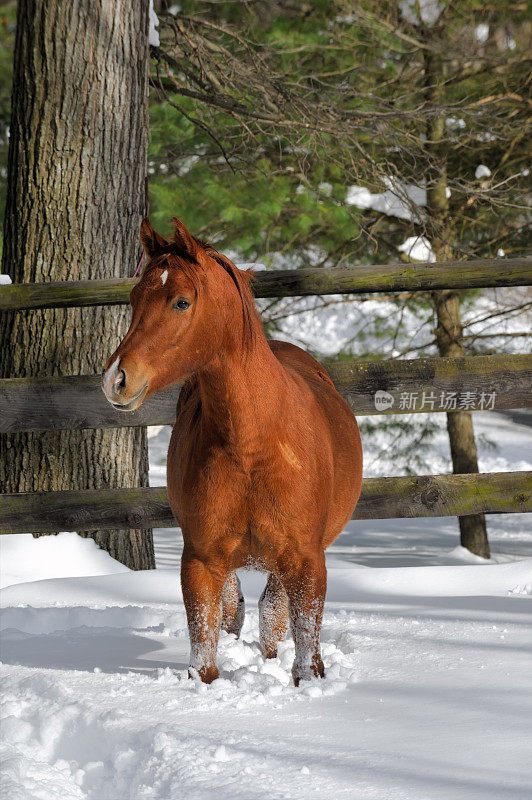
x: 306, y: 585
x: 273, y: 616
x: 233, y: 605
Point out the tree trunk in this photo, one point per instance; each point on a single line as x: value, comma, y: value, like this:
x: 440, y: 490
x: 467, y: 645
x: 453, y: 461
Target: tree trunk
x: 473, y: 533
x: 76, y: 194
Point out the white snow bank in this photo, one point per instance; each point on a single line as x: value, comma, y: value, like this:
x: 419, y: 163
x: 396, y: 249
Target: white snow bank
x: 24, y: 558
x: 418, y: 248
x: 463, y: 581
x: 5, y: 280
x: 161, y: 588
x: 128, y: 588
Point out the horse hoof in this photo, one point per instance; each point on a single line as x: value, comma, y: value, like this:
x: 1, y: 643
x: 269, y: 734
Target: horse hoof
x: 205, y: 675
x: 269, y: 652
x: 315, y: 670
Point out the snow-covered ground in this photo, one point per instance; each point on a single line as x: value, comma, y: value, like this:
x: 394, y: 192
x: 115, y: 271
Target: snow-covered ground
x: 427, y: 695
x: 428, y: 692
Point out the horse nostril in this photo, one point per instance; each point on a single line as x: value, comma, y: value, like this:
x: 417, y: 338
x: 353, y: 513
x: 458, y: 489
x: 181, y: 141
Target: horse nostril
x: 120, y: 380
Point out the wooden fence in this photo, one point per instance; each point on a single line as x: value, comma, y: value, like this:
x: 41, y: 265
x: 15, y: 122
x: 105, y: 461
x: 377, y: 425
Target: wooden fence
x: 481, y: 273
x: 377, y: 387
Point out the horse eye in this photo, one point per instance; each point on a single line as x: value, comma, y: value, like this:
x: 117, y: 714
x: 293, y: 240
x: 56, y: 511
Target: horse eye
x: 181, y: 304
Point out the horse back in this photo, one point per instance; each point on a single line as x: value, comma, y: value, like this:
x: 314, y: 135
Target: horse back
x: 292, y: 356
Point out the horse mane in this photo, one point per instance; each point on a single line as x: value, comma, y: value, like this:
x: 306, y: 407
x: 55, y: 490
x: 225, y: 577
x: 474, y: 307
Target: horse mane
x: 242, y: 279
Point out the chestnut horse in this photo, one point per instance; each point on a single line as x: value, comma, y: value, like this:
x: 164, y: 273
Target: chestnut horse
x: 265, y: 462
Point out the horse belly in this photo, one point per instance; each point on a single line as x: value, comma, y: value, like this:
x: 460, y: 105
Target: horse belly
x: 347, y: 480
x: 289, y: 504
x: 337, y: 436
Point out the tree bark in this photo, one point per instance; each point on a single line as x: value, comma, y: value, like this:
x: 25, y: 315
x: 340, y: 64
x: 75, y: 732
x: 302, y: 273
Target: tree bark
x: 473, y: 533
x: 76, y: 194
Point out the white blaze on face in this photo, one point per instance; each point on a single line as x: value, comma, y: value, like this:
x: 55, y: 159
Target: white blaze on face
x: 164, y: 276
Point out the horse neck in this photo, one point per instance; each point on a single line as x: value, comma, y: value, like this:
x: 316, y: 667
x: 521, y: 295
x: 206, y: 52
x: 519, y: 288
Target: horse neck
x: 242, y: 396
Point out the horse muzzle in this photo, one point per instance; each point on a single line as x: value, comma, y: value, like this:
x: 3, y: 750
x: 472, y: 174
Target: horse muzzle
x: 118, y: 389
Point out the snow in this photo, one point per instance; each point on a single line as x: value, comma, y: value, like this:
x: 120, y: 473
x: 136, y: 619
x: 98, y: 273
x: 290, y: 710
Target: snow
x: 428, y: 10
x: 5, y: 280
x: 482, y: 171
x: 325, y: 188
x: 482, y: 31
x: 396, y: 201
x: 329, y: 325
x: 154, y: 430
x: 455, y: 123
x: 426, y: 647
x: 253, y: 265
x: 417, y: 248
x: 24, y: 558
x: 427, y: 691
x: 154, y: 22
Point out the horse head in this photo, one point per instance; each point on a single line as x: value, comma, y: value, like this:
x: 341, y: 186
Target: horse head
x: 190, y: 305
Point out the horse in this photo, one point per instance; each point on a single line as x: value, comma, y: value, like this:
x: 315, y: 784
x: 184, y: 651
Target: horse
x: 265, y: 461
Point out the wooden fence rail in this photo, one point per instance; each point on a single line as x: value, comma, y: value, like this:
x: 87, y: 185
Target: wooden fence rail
x: 382, y: 498
x: 480, y: 273
x: 372, y: 387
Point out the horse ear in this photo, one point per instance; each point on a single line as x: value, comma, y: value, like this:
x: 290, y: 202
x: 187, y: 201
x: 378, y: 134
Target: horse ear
x: 184, y: 239
x: 152, y: 241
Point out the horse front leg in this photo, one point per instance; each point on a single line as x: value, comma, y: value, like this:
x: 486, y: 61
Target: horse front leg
x: 233, y: 605
x: 305, y: 582
x: 202, y: 584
